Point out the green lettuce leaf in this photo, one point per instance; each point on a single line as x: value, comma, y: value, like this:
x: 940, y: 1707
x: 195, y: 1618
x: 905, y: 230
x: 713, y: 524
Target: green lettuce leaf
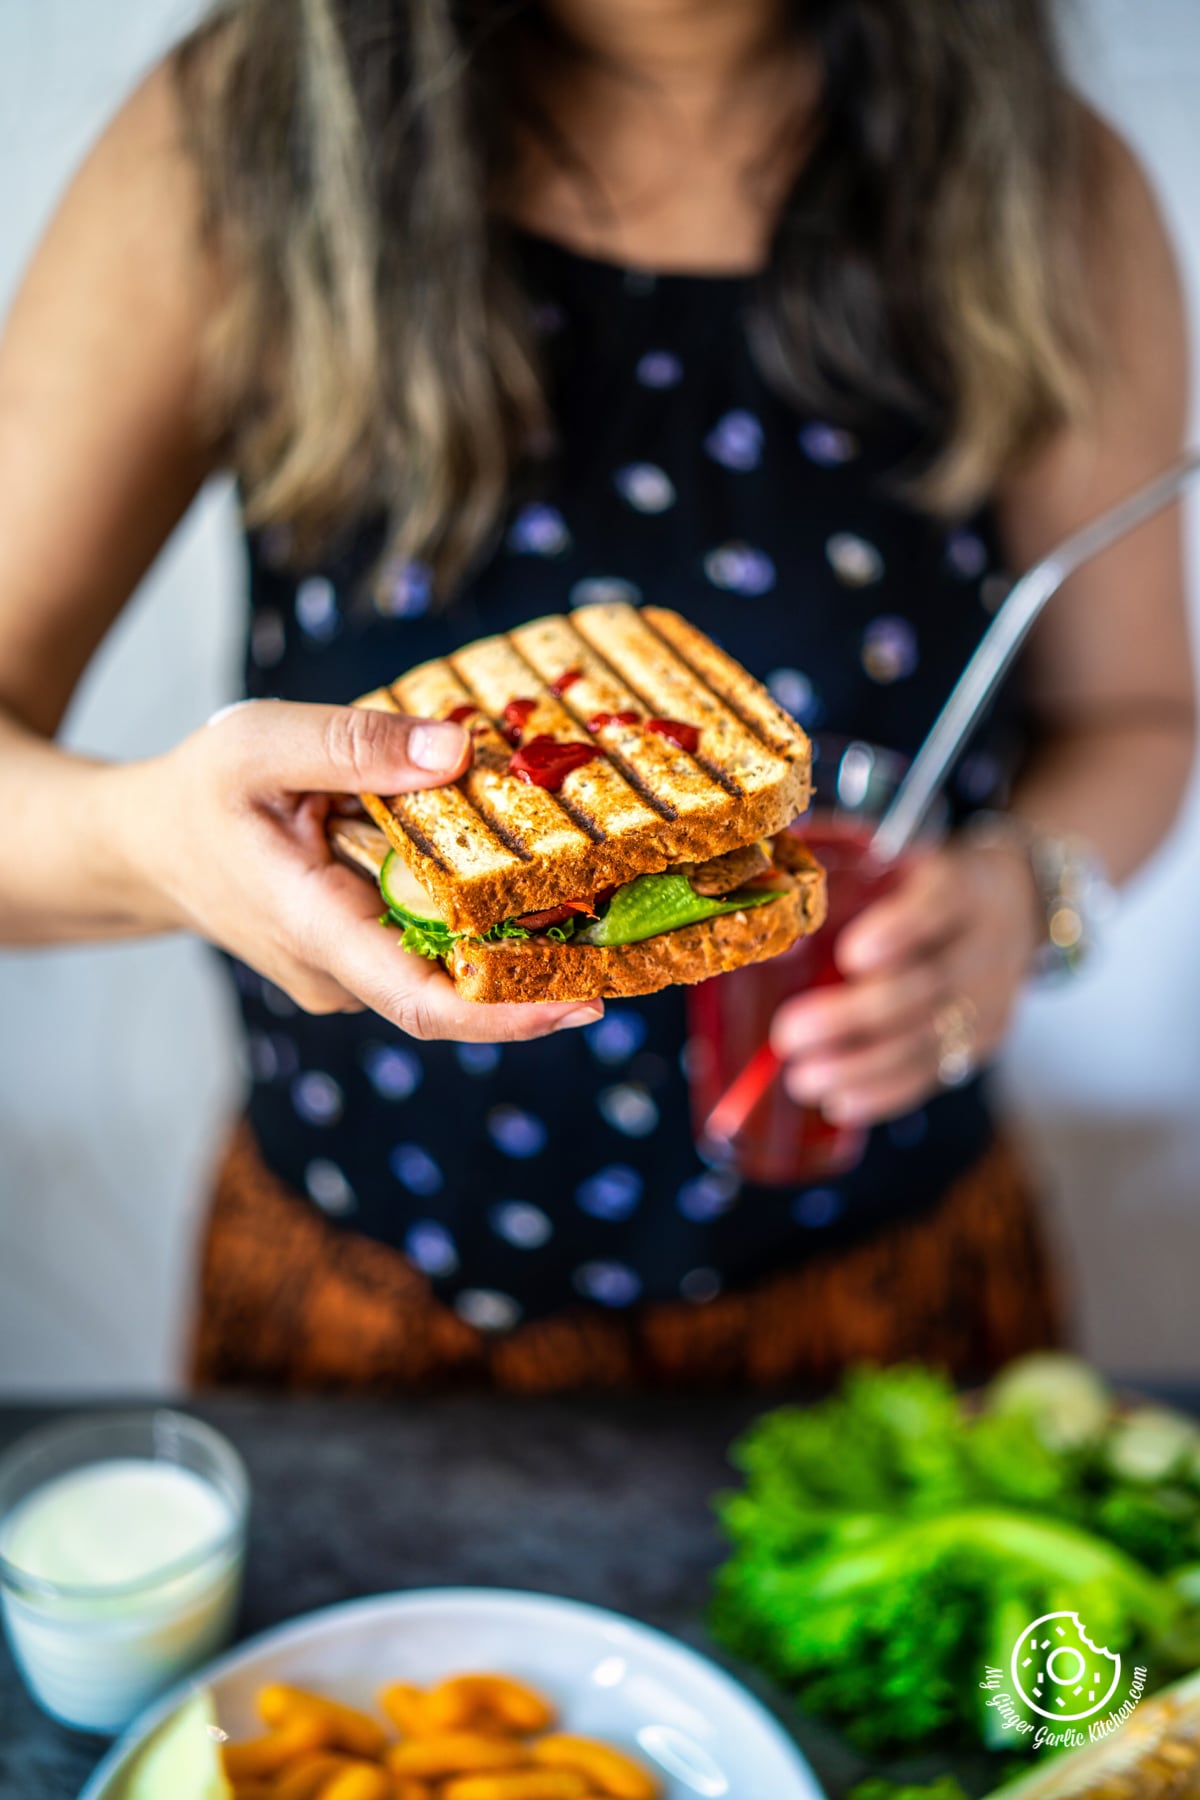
x: 642, y: 909
x: 422, y: 937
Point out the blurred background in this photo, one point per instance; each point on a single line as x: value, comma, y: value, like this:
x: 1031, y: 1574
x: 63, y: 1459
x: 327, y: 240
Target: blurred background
x: 117, y: 1066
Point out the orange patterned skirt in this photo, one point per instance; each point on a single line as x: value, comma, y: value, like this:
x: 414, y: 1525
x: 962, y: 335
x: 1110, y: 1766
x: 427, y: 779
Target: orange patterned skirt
x: 288, y: 1299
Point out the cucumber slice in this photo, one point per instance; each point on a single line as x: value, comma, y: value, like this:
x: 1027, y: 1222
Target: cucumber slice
x: 657, y: 903
x: 405, y: 896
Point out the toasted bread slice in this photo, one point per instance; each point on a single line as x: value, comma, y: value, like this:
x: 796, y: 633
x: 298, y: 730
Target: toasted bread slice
x: 537, y: 969
x: 492, y: 846
x: 533, y: 969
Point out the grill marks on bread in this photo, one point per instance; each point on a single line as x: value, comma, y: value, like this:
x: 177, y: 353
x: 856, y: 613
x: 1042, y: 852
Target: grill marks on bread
x: 748, y: 699
x: 672, y: 781
x: 492, y: 847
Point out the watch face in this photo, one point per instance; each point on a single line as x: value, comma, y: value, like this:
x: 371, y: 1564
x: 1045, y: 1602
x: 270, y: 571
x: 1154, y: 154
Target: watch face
x: 1078, y: 897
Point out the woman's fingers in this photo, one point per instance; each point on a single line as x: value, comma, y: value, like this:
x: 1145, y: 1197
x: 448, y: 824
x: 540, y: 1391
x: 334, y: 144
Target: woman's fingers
x: 419, y: 997
x: 345, y: 937
x: 847, y: 1086
x: 825, y: 1017
x: 282, y: 746
x: 929, y: 906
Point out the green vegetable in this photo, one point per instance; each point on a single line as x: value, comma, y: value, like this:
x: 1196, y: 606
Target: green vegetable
x: 888, y: 1548
x: 434, y: 941
x: 657, y: 903
x: 1151, y: 1444
x: 1065, y: 1398
x: 642, y: 909
x: 406, y: 899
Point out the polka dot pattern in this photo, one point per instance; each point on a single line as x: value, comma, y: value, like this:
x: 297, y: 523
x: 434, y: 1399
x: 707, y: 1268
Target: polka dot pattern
x: 430, y: 1248
x: 317, y: 612
x: 659, y: 369
x: 477, y: 1059
x: 611, y: 1193
x: 817, y: 1207
x: 647, y: 488
x: 795, y: 693
x: 827, y: 445
x: 615, y: 1037
x: 966, y: 554
x: 889, y: 649
x: 416, y: 1170
x: 394, y: 1073
x: 629, y: 1109
x: 700, y: 1285
x: 325, y: 1183
x: 487, y: 1309
x: 740, y: 569
x: 524, y: 1177
x: 736, y: 441
x: 405, y: 592
x: 525, y: 1227
x: 609, y: 1283
x: 268, y: 638
x: 272, y: 1056
x: 317, y: 1098
x: 854, y: 561
x: 708, y: 1196
x: 539, y: 531
x: 604, y: 590
x: 515, y: 1132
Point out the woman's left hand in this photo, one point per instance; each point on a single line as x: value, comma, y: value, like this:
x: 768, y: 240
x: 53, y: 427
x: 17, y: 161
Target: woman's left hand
x: 932, y: 973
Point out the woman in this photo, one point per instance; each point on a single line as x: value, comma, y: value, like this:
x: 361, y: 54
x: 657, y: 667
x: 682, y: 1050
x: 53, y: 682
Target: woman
x: 803, y: 318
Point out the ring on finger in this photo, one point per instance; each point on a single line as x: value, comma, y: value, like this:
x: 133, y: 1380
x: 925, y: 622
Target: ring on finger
x: 954, y: 1030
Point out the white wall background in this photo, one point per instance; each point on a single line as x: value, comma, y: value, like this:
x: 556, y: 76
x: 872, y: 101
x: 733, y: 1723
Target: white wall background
x: 118, y: 1066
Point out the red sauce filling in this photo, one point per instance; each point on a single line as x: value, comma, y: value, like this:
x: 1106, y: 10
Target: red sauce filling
x: 546, y: 763
x: 567, y: 679
x: 461, y: 714
x: 516, y: 717
x: 686, y: 737
x: 598, y: 721
x: 555, y: 915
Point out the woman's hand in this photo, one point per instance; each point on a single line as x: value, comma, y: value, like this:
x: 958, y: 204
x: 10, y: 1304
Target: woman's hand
x: 942, y: 958
x: 227, y: 830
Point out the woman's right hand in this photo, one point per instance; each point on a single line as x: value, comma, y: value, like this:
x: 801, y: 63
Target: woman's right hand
x: 227, y: 832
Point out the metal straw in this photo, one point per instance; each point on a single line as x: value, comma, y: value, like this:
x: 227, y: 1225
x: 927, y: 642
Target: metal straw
x: 1000, y: 643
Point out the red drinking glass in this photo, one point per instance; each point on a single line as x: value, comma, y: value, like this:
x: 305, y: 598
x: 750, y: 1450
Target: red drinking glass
x: 742, y: 1115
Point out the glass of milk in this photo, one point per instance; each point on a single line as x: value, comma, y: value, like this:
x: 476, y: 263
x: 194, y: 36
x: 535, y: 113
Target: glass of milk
x: 122, y: 1539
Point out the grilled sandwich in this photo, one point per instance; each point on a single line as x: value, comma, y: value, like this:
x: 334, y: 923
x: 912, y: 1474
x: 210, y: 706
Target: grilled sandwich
x: 618, y: 829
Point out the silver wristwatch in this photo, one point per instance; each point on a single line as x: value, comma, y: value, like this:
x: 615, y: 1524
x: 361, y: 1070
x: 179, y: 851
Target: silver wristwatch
x: 1072, y: 883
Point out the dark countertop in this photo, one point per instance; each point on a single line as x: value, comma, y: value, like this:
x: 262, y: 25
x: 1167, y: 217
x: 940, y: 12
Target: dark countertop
x: 603, y: 1500
x: 600, y: 1500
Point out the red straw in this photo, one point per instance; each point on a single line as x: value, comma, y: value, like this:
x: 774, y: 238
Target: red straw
x: 742, y: 1095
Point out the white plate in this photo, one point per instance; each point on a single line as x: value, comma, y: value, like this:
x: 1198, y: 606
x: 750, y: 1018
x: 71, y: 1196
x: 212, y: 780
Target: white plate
x: 609, y: 1676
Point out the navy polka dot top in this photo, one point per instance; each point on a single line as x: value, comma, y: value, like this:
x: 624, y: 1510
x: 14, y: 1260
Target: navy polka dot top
x: 526, y: 1178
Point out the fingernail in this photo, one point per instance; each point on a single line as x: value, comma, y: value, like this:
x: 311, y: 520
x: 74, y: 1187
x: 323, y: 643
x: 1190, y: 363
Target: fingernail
x: 437, y: 746
x: 806, y: 1085
x: 790, y: 1036
x: 582, y: 1015
x: 858, y: 954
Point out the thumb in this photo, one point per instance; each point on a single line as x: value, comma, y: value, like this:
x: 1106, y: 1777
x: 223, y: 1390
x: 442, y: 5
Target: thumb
x: 297, y: 748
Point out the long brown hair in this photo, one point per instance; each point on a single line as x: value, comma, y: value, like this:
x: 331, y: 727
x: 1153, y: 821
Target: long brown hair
x: 375, y: 353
